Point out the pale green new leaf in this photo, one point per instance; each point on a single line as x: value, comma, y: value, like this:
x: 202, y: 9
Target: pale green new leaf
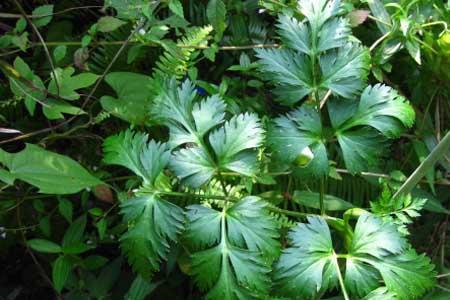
x: 133, y: 151
x: 290, y: 134
x: 306, y: 268
x: 380, y: 107
x: 234, y: 143
x: 240, y: 246
x: 153, y: 224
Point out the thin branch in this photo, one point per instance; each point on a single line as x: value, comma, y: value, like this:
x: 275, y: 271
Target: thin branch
x: 18, y: 16
x: 41, y: 39
x: 153, y: 44
x: 89, y: 96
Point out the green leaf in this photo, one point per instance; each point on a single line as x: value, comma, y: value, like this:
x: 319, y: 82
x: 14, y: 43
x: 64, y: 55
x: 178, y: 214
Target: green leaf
x: 44, y: 246
x: 108, y: 24
x: 193, y: 166
x: 312, y: 199
x: 68, y: 84
x: 140, y: 289
x: 176, y: 7
x: 134, y: 92
x: 76, y: 248
x: 344, y: 70
x: 381, y: 293
x: 188, y: 121
x: 289, y: 135
x: 378, y: 245
x: 131, y: 9
x: 240, y: 246
x: 289, y: 71
x: 306, y: 268
x: 318, y: 11
x: 216, y: 13
x: 334, y: 34
x: 24, y: 91
x: 235, y: 141
x: 44, y: 10
x: 133, y: 151
x: 153, y: 224
x: 59, y: 53
x: 294, y: 34
x: 377, y: 252
x: 60, y: 273
x: 65, y: 208
x: 52, y: 173
x: 361, y: 148
x: 375, y: 238
x: 58, y: 107
x: 380, y: 107
x: 74, y: 234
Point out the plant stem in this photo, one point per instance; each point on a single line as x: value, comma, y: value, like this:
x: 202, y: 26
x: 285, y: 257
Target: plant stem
x: 438, y: 152
x: 339, y: 274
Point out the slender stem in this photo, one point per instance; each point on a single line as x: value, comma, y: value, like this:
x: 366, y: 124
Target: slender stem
x: 339, y: 274
x: 322, y: 195
x: 152, y: 44
x: 378, y: 41
x: 437, y: 153
x: 379, y: 20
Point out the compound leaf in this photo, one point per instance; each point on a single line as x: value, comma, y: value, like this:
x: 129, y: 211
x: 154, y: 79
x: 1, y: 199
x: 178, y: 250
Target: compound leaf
x: 306, y: 268
x: 133, y: 151
x: 153, y: 224
x: 234, y: 264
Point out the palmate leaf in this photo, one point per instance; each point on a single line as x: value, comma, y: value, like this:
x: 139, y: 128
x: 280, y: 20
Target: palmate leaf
x: 380, y: 108
x: 321, y: 37
x: 235, y: 141
x: 152, y: 222
x: 230, y: 147
x: 289, y: 71
x: 377, y: 252
x: 344, y: 70
x: 307, y: 267
x: 378, y: 245
x: 234, y: 249
x: 133, y: 151
x: 290, y: 134
x: 187, y: 120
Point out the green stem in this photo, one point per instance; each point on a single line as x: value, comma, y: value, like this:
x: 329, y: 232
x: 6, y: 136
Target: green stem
x: 438, y: 152
x: 339, y: 274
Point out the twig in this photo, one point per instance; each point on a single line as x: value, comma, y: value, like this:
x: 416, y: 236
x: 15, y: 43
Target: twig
x: 41, y: 39
x: 152, y: 44
x: 89, y: 96
x: 18, y: 16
